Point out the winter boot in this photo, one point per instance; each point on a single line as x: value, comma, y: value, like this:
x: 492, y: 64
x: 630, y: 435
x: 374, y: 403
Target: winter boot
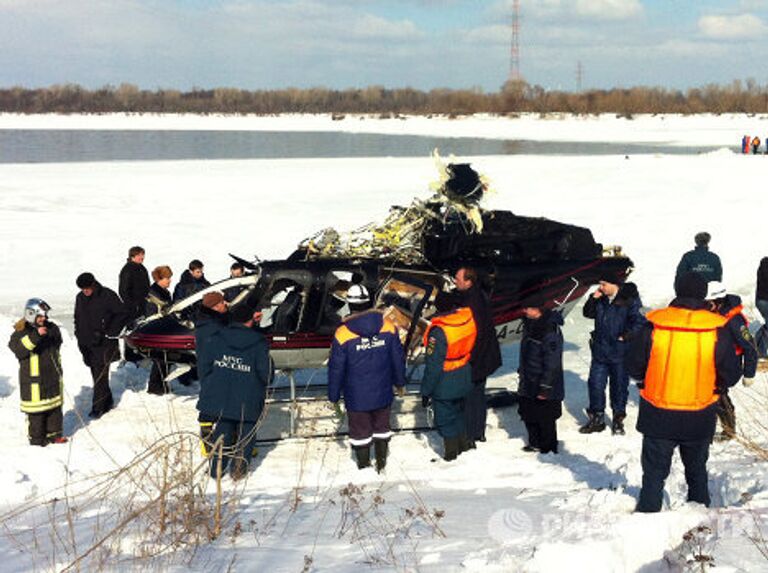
x: 381, y: 448
x: 451, y: 446
x: 206, y: 431
x: 596, y: 423
x: 617, y: 426
x: 363, y: 456
x: 465, y: 444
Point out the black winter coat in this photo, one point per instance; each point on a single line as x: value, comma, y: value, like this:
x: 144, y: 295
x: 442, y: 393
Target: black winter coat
x: 738, y: 328
x: 188, y: 285
x: 541, y: 358
x: 234, y: 368
x: 762, y: 280
x: 97, y: 317
x: 680, y: 424
x: 486, y: 355
x: 133, y: 288
x: 615, y: 322
x: 157, y: 299
x: 40, y: 376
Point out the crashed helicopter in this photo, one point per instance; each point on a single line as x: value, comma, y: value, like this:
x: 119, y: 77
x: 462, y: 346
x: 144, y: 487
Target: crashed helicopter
x: 404, y: 262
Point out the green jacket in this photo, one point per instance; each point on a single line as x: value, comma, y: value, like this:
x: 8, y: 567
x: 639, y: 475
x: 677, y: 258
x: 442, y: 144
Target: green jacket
x: 440, y: 385
x: 40, y: 377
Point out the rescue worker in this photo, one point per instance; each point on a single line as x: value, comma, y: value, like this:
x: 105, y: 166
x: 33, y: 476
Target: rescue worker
x: 99, y: 318
x: 447, y: 380
x: 486, y: 354
x: 541, y: 388
x: 366, y: 362
x: 683, y: 358
x: 745, y: 144
x: 615, y: 308
x: 700, y: 260
x: 755, y: 145
x: 729, y: 305
x: 36, y: 342
x: 192, y: 280
x: 133, y: 287
x: 235, y: 370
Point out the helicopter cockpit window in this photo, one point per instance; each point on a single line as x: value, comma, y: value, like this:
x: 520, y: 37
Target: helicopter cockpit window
x: 336, y: 308
x: 283, y: 307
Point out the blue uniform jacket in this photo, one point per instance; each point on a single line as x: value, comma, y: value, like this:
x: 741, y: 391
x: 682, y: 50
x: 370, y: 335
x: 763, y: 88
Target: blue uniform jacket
x: 367, y: 359
x: 614, y: 322
x: 234, y: 368
x: 541, y: 358
x: 700, y: 260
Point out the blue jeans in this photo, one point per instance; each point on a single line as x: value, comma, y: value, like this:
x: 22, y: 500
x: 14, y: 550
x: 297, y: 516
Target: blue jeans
x: 599, y: 375
x: 656, y: 460
x: 238, y: 439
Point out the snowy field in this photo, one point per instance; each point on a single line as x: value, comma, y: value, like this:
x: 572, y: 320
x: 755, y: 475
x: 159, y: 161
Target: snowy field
x: 495, y: 508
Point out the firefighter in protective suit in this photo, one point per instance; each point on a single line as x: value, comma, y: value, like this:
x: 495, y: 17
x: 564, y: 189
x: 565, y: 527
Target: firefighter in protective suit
x: 36, y: 342
x: 447, y: 381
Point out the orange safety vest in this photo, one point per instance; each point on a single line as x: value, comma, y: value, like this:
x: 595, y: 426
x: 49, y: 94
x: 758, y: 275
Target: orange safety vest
x: 681, y: 370
x: 460, y: 332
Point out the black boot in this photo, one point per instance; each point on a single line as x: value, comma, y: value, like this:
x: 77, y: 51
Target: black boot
x: 363, y: 456
x: 596, y: 423
x: 381, y: 448
x: 617, y: 426
x: 451, y: 448
x: 465, y: 444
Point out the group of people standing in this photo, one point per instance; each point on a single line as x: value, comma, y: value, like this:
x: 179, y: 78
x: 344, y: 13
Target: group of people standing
x: 752, y: 144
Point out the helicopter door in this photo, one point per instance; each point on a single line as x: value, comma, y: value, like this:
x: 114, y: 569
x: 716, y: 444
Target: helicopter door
x: 402, y: 300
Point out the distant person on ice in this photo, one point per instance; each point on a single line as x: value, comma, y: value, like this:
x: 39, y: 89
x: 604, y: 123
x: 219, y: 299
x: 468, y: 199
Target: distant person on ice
x: 615, y: 308
x: 700, y: 260
x: 755, y: 145
x: 486, y: 354
x: 541, y: 389
x: 683, y: 358
x: 447, y: 380
x: 99, y: 318
x: 745, y: 141
x: 729, y: 305
x: 367, y: 361
x: 192, y: 280
x: 36, y: 342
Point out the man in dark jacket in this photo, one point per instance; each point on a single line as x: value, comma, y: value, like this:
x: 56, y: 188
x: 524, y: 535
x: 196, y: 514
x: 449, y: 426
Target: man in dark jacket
x: 616, y: 311
x: 192, y: 280
x: 729, y: 306
x: 683, y: 358
x: 761, y: 302
x: 701, y: 260
x: 486, y: 355
x: 541, y: 389
x: 99, y: 318
x: 366, y: 362
x: 36, y: 342
x: 134, y: 283
x: 235, y: 370
x: 447, y: 380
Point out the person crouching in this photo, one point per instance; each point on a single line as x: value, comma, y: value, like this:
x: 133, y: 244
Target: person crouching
x: 36, y: 342
x: 366, y: 361
x: 447, y: 381
x: 541, y: 389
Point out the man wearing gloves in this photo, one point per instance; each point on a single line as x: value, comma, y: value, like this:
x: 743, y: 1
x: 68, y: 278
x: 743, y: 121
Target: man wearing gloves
x: 367, y: 360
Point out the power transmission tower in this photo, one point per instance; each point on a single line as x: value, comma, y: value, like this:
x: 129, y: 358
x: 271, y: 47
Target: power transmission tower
x: 514, y: 62
x: 579, y: 75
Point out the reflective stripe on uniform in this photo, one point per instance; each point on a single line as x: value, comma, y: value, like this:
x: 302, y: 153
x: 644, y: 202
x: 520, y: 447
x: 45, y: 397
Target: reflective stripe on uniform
x: 361, y: 442
x: 34, y: 365
x: 31, y: 407
x: 27, y: 342
x: 35, y: 394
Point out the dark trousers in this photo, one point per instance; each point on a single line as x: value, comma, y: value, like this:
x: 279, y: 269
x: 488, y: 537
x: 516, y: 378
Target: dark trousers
x: 656, y: 461
x: 365, y: 427
x: 157, y: 374
x: 476, y: 411
x: 43, y: 427
x: 599, y: 375
x: 236, y: 449
x: 449, y: 417
x: 540, y: 418
x: 100, y: 359
x: 726, y: 414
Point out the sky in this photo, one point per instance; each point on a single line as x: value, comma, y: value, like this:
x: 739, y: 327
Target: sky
x: 423, y: 44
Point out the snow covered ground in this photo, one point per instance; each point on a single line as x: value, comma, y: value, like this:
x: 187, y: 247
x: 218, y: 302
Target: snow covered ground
x: 494, y: 509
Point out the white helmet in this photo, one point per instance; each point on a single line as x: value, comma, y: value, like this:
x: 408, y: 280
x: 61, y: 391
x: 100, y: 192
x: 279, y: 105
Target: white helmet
x: 35, y: 307
x: 357, y: 294
x: 715, y: 290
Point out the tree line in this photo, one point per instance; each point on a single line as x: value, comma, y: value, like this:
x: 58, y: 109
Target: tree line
x: 514, y: 97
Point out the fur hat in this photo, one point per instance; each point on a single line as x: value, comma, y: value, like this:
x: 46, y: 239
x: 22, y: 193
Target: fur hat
x: 211, y: 299
x: 85, y: 280
x: 609, y: 276
x: 691, y: 285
